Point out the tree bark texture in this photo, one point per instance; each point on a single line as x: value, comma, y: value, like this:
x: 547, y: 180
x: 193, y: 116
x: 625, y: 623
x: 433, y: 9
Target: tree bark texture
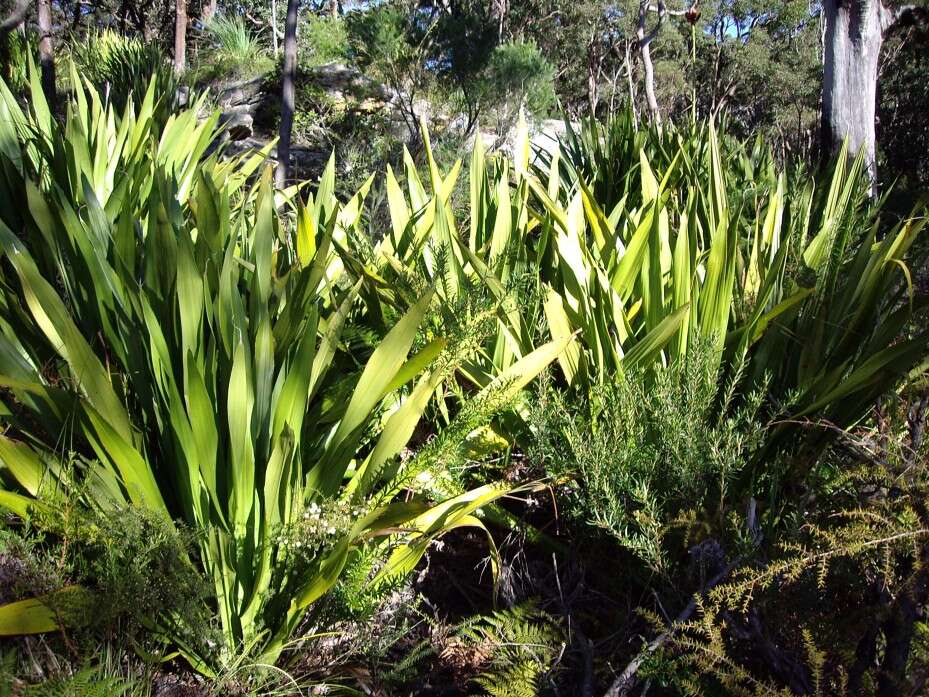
x: 851, y: 45
x: 46, y: 50
x: 180, y: 36
x: 644, y: 41
x: 287, y: 95
x: 853, y: 34
x: 274, y: 45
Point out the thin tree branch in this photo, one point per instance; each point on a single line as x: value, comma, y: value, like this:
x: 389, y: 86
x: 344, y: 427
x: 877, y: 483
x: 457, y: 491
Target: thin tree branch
x: 16, y: 17
x: 894, y: 18
x: 672, y: 13
x: 627, y: 680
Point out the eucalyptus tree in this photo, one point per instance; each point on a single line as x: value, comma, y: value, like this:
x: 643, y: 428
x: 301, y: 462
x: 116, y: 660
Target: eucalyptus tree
x: 759, y: 62
x: 853, y: 34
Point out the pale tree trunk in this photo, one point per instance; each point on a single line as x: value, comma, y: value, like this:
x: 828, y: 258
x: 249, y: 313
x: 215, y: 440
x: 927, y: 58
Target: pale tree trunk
x: 180, y: 36
x: 274, y: 44
x: 631, y: 84
x: 593, y: 98
x: 46, y: 50
x: 853, y: 33
x: 594, y: 69
x: 649, y: 70
x: 334, y: 8
x: 498, y: 11
x: 852, y: 40
x: 644, y: 41
x: 287, y: 96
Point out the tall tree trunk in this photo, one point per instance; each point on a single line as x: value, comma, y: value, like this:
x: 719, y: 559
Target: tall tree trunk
x: 180, y: 36
x: 594, y: 61
x: 274, y: 28
x: 645, y: 54
x: 287, y: 95
x: 852, y: 37
x: 498, y: 11
x: 851, y: 44
x: 334, y: 8
x: 46, y: 50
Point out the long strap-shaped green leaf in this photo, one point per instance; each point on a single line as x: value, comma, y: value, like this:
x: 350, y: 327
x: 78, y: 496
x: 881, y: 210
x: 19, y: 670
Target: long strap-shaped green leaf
x: 55, y: 322
x: 380, y: 371
x: 38, y: 615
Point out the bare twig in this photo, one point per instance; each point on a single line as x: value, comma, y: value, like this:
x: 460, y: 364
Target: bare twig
x: 902, y: 16
x: 16, y: 17
x: 627, y: 680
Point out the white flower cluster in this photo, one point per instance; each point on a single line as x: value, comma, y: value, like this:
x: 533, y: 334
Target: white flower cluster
x: 318, y: 527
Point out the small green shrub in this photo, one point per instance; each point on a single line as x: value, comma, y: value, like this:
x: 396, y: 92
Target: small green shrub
x: 377, y: 39
x: 28, y: 566
x: 230, y: 50
x: 517, y: 75
x: 122, y: 68
x: 650, y: 451
x: 115, y: 555
x: 321, y: 40
x: 15, y: 49
x: 316, y: 114
x: 120, y: 553
x: 833, y: 605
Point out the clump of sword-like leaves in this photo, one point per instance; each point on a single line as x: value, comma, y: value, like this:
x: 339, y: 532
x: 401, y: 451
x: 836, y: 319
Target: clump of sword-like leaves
x: 425, y: 242
x: 612, y: 286
x: 790, y: 269
x: 507, y: 250
x: 160, y: 325
x: 788, y: 273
